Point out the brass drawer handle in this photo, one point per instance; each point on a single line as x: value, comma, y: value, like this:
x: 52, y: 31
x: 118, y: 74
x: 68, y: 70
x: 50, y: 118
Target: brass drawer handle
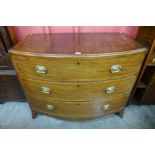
x: 49, y: 107
x: 153, y: 61
x: 116, y: 68
x: 40, y: 69
x: 106, y: 107
x: 45, y: 90
x: 110, y: 90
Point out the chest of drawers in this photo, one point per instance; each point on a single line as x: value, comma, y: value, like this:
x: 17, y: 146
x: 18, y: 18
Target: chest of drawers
x: 77, y: 76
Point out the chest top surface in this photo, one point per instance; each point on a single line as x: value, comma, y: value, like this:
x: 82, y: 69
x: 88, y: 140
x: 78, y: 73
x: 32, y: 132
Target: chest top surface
x: 76, y: 43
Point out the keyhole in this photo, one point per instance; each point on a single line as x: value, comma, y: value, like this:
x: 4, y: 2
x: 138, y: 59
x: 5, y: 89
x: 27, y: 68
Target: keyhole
x: 78, y: 85
x: 78, y: 63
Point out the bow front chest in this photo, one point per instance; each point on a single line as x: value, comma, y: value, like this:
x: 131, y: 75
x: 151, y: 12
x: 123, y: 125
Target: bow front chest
x: 77, y: 75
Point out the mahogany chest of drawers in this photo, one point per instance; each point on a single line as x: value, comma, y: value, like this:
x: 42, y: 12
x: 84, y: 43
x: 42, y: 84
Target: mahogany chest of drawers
x: 79, y: 75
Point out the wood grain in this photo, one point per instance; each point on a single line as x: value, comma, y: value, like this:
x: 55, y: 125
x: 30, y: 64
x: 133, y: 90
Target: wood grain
x: 77, y: 72
x: 77, y: 110
x: 79, y: 91
x: 69, y: 43
x: 85, y: 68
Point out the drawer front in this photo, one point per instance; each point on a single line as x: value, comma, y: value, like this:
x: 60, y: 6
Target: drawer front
x: 84, y: 91
x: 77, y: 110
x: 78, y: 68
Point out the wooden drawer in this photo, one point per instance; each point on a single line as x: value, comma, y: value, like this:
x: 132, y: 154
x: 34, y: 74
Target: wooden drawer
x: 78, y: 68
x: 84, y: 91
x: 77, y: 110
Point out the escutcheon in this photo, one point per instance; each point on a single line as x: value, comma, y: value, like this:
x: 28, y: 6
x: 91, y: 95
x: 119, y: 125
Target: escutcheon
x: 111, y: 89
x: 40, y: 69
x: 116, y: 68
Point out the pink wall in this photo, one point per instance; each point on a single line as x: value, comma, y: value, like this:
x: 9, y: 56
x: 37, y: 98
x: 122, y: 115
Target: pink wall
x: 22, y: 31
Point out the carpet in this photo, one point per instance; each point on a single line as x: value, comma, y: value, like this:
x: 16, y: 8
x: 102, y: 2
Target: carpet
x: 17, y: 115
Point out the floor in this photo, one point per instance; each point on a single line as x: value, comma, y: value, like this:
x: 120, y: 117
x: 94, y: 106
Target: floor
x: 17, y: 115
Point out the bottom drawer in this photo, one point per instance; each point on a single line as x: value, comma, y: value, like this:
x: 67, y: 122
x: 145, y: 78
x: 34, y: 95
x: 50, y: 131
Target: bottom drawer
x: 77, y: 110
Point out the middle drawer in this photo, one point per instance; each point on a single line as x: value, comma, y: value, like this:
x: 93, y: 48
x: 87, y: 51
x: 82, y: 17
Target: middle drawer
x: 79, y: 91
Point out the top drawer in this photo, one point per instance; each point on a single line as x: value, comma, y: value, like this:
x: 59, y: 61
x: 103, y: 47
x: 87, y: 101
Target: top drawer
x: 77, y: 68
